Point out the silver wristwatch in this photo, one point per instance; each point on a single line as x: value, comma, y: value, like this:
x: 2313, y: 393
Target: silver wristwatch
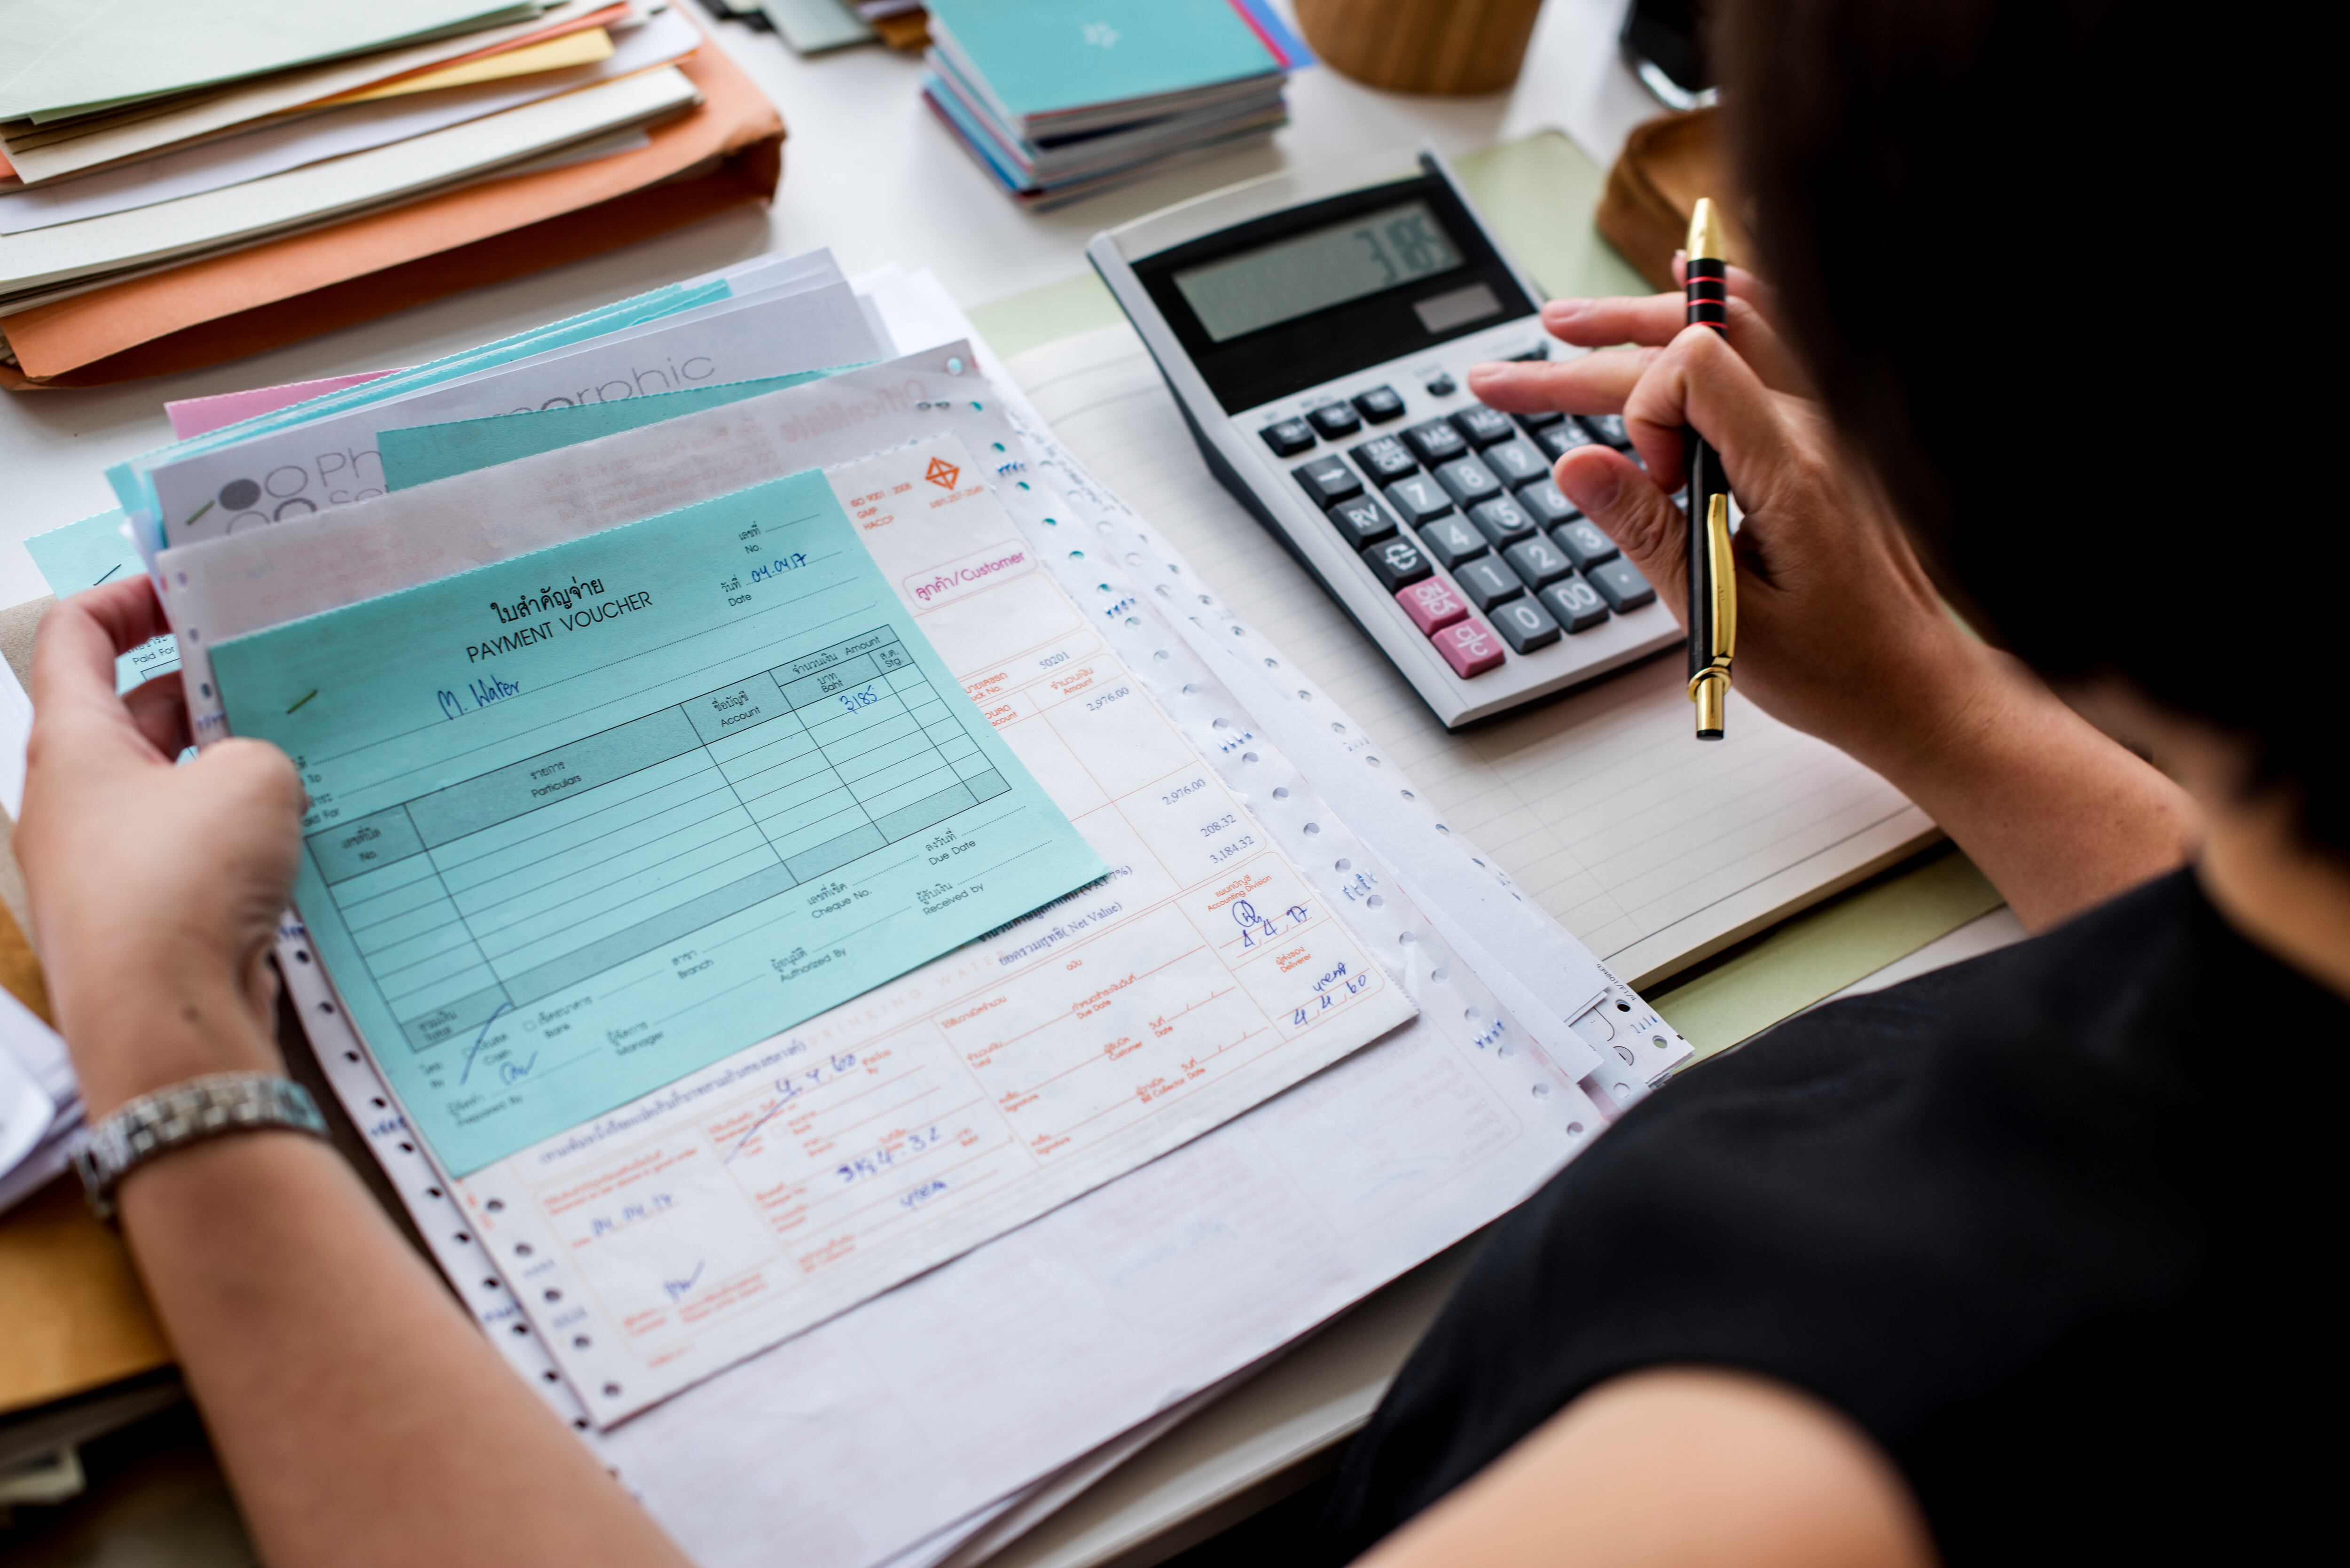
x: 184, y: 1113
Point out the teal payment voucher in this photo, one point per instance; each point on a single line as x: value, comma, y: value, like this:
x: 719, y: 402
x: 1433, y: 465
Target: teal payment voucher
x: 589, y: 820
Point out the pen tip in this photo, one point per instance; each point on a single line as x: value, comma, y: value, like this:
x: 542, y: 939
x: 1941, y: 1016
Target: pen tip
x: 1705, y: 232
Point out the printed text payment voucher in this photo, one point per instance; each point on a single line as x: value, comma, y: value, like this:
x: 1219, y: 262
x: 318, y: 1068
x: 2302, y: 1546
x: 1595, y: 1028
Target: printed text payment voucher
x: 592, y: 818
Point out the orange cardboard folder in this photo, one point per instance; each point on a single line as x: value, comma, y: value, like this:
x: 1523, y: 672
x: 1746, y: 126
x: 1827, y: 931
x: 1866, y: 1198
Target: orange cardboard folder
x: 726, y: 153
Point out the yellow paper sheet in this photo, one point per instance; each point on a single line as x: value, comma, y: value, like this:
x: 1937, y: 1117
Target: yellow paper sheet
x: 582, y: 49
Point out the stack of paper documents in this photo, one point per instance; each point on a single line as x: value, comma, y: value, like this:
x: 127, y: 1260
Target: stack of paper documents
x: 1060, y: 99
x: 840, y: 956
x: 40, y: 1103
x: 144, y: 147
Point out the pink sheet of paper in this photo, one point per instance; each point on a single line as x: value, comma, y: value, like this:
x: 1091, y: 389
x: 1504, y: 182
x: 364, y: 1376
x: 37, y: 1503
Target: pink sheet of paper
x: 198, y: 416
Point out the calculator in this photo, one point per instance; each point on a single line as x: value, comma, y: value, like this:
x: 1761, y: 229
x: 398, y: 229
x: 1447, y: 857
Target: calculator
x: 1316, y: 329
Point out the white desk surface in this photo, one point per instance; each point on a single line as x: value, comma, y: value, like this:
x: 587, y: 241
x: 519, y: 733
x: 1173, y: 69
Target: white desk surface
x: 869, y: 173
x: 866, y: 171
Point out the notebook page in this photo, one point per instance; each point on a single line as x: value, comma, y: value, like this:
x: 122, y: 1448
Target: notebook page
x: 1652, y: 849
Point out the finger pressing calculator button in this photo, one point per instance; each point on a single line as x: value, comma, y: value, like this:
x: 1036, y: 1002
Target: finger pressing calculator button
x: 1398, y: 564
x: 1472, y: 650
x: 1575, y: 603
x: 1380, y: 405
x: 1561, y: 439
x: 1487, y: 582
x: 1418, y: 499
x: 1288, y: 438
x: 1451, y: 540
x: 1608, y: 427
x: 1482, y: 426
x: 1537, y: 562
x: 1585, y: 544
x: 1385, y: 459
x: 1502, y: 522
x: 1328, y: 480
x: 1361, y: 522
x: 1526, y: 625
x: 1622, y: 586
x: 1516, y: 462
x: 1335, y: 419
x: 1433, y: 606
x: 1468, y: 482
x: 1435, y: 441
x: 1548, y: 503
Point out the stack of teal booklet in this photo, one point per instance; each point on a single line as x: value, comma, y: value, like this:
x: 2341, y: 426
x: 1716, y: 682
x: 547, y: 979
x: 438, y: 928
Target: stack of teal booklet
x: 1059, y: 99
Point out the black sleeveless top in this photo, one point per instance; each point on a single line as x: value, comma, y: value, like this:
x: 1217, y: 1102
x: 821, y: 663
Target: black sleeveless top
x: 2051, y: 1226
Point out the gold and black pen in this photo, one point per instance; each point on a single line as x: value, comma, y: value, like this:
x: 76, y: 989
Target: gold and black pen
x: 1712, y: 578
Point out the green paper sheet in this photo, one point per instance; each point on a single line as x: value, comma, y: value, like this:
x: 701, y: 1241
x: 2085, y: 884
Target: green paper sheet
x: 590, y: 819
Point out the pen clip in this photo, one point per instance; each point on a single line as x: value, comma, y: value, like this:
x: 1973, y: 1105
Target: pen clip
x: 1710, y: 687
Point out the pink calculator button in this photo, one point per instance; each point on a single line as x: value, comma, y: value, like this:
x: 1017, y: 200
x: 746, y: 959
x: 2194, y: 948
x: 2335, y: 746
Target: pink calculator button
x: 1433, y: 606
x: 1470, y: 647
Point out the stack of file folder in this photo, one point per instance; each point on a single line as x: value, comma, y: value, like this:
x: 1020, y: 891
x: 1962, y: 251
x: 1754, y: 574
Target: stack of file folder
x: 1060, y: 99
x: 184, y: 185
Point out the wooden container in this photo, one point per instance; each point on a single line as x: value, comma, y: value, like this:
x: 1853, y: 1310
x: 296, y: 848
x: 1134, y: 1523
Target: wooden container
x: 1422, y: 46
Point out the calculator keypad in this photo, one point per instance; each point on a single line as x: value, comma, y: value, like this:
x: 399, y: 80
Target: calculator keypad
x: 1470, y: 493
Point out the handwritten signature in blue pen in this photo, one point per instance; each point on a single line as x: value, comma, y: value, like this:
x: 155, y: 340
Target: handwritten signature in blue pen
x: 1253, y: 925
x: 476, y: 1049
x: 677, y: 1288
x: 789, y: 1088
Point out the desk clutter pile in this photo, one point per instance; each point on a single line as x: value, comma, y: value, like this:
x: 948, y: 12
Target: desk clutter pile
x: 181, y: 185
x: 1060, y: 99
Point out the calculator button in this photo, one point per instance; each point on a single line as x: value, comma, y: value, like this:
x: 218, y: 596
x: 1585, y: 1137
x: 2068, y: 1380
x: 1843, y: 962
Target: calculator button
x: 1561, y: 439
x: 1451, y: 540
x: 1334, y: 420
x: 1472, y: 650
x: 1585, y: 544
x: 1548, y: 503
x: 1361, y: 522
x: 1526, y: 625
x: 1442, y: 386
x: 1487, y: 582
x: 1502, y: 522
x: 1418, y: 499
x: 1433, y: 606
x: 1516, y: 462
x: 1288, y: 438
x: 1468, y: 482
x: 1328, y: 480
x: 1435, y: 441
x: 1622, y: 586
x: 1575, y: 603
x: 1537, y: 562
x: 1380, y: 405
x: 1398, y: 564
x: 1608, y: 427
x: 1482, y: 426
x: 1385, y: 459
x: 1541, y: 420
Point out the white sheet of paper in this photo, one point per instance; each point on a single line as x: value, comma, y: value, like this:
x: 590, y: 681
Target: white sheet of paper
x: 45, y: 258
x: 1653, y: 850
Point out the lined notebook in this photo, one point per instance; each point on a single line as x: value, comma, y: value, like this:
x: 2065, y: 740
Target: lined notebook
x: 1654, y: 850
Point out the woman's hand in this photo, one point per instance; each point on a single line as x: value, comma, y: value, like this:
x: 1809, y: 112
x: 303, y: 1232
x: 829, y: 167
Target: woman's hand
x: 155, y: 889
x: 1839, y: 631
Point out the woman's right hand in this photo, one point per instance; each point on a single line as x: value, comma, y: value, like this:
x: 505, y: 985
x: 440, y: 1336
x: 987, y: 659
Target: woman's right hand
x: 1840, y: 633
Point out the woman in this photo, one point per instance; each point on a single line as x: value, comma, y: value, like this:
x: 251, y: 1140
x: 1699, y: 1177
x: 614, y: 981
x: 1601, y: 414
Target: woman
x: 1982, y: 1265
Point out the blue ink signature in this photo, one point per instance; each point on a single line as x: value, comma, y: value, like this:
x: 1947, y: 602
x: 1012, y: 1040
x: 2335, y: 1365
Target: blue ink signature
x: 476, y: 1049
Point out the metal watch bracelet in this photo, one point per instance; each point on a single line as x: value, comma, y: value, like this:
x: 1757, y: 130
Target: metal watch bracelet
x: 188, y: 1112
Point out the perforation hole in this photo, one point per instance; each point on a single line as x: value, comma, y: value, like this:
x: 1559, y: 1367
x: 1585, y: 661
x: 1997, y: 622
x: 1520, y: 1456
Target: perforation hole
x: 1248, y: 757
x: 1575, y: 1129
x: 495, y: 1206
x: 612, y: 1390
x: 1406, y: 938
x: 1623, y: 1007
x: 1312, y: 828
x: 1439, y: 974
x: 522, y: 1248
x: 1280, y: 792
x: 1342, y: 865
x: 581, y: 1341
x: 1377, y: 901
x: 1542, y: 1091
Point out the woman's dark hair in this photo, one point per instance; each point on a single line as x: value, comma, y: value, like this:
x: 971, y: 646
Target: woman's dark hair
x: 1993, y: 225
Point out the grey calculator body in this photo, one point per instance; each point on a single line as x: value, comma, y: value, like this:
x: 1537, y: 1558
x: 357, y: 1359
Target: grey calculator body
x: 1317, y: 328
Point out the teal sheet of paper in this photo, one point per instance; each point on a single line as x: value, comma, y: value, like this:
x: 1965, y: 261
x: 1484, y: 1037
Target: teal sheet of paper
x: 423, y: 453
x: 86, y: 554
x: 587, y: 820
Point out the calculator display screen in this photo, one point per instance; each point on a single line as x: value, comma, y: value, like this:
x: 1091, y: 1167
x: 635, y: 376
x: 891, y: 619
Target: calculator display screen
x: 1237, y: 295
